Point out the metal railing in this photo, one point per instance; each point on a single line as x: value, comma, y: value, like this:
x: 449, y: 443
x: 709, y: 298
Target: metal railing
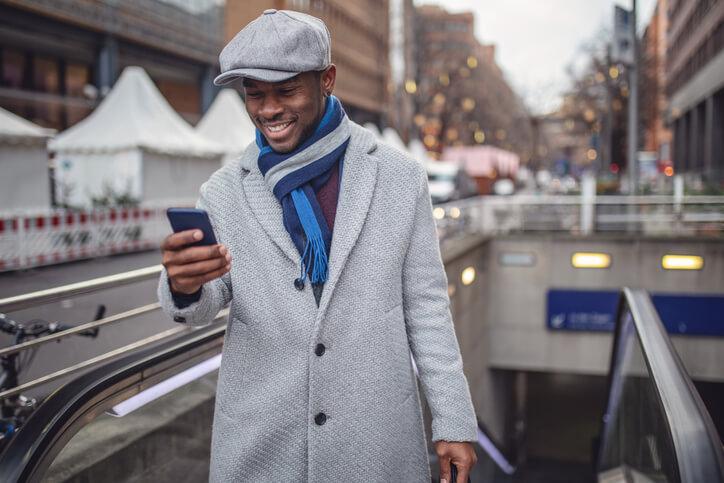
x: 655, y: 427
x: 644, y: 215
x: 25, y: 301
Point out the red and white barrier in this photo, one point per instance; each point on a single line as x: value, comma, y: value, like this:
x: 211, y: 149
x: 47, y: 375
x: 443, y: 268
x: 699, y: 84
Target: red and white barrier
x: 34, y: 239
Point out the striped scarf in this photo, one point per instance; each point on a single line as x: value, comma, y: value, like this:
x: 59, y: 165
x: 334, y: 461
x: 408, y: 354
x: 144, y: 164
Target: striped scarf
x: 295, y: 177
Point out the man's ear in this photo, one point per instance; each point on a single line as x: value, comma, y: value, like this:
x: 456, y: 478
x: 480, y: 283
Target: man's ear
x: 329, y: 76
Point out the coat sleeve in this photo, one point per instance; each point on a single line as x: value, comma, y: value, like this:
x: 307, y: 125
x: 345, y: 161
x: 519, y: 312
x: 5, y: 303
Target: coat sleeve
x: 215, y: 294
x: 430, y: 330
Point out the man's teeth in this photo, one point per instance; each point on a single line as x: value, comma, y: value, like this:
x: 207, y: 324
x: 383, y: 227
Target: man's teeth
x: 278, y: 127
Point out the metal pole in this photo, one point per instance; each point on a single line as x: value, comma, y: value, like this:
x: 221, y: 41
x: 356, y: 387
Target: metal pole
x: 609, y: 115
x: 633, y: 118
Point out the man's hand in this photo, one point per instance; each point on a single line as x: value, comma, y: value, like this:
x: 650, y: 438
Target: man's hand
x: 189, y: 268
x: 461, y: 454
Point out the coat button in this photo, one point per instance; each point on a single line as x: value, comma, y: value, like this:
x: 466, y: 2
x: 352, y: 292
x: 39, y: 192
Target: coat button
x: 319, y: 350
x: 320, y: 419
x: 299, y: 284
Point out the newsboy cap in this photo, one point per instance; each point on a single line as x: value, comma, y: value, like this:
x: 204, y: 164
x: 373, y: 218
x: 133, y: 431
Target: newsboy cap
x: 276, y: 46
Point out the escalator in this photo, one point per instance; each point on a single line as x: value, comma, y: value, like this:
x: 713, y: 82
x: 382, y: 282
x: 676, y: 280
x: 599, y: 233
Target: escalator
x: 147, y: 417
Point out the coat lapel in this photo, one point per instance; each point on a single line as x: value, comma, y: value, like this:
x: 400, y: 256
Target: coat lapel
x: 359, y: 175
x: 264, y: 205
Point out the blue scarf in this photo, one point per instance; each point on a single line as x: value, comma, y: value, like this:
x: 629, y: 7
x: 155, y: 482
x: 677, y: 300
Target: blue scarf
x: 295, y: 177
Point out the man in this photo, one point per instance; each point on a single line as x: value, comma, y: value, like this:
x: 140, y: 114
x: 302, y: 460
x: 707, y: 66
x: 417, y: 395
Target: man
x: 336, y: 281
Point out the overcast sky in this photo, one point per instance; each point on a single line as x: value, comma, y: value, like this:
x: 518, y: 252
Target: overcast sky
x: 537, y: 39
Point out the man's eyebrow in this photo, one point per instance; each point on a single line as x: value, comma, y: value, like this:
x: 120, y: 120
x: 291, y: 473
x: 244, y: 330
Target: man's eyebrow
x: 293, y: 82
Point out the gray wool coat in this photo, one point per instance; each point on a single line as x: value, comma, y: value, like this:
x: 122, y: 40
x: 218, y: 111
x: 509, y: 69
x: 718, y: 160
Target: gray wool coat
x: 385, y: 300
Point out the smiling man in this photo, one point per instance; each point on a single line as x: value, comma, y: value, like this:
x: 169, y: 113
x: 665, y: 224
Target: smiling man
x: 316, y: 380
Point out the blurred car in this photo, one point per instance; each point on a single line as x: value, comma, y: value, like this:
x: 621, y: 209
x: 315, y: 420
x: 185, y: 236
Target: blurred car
x: 448, y: 182
x: 504, y: 187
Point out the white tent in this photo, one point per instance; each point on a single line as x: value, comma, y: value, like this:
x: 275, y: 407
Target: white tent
x: 373, y: 129
x: 390, y: 136
x: 418, y: 151
x: 133, y: 144
x: 23, y: 163
x: 228, y: 124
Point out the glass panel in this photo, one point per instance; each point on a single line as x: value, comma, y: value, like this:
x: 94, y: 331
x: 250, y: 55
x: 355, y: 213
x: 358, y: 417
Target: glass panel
x: 637, y: 437
x: 76, y: 77
x: 45, y: 75
x: 13, y: 68
x: 168, y: 439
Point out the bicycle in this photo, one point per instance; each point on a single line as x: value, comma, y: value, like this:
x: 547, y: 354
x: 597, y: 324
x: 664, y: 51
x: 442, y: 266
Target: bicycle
x: 16, y: 409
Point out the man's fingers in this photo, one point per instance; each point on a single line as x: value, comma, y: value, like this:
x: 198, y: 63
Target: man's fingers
x: 463, y: 473
x: 194, y: 254
x: 444, y: 469
x: 198, y: 268
x: 178, y: 240
x: 202, y: 279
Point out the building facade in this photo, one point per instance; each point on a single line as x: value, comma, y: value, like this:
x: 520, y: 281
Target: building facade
x: 462, y: 97
x: 695, y: 85
x: 57, y: 59
x: 403, y: 68
x: 359, y: 30
x: 654, y: 103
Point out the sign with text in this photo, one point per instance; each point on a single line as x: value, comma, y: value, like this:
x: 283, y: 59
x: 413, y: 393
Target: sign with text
x: 595, y: 311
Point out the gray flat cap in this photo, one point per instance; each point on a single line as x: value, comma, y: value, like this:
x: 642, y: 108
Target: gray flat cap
x: 276, y: 46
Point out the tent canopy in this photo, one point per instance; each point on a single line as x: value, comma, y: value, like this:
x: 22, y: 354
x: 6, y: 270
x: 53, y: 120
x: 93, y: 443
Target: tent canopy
x: 134, y: 114
x: 370, y: 126
x: 14, y: 128
x: 227, y: 123
x: 390, y: 136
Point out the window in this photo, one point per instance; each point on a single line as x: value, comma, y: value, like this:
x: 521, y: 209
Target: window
x: 76, y: 77
x: 13, y: 66
x: 45, y: 75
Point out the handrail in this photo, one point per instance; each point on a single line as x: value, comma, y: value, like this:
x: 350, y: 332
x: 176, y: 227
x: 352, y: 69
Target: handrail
x: 24, y: 301
x: 697, y: 447
x: 94, y: 360
x: 32, y: 449
x: 6, y: 351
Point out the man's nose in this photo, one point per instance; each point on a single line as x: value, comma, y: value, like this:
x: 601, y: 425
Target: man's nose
x: 270, y: 108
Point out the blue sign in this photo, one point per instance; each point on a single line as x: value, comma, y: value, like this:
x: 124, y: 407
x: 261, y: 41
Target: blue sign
x: 595, y: 310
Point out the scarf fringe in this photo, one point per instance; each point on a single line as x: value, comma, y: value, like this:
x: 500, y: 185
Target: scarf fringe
x: 315, y: 254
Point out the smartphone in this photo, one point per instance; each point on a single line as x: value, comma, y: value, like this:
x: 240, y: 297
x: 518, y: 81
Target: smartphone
x: 454, y: 474
x: 182, y: 219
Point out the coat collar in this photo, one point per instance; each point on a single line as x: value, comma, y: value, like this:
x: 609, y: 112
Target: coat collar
x: 359, y: 175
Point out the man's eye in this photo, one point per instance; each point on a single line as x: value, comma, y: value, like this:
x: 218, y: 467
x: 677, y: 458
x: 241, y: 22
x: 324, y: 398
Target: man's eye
x: 253, y: 95
x: 286, y: 92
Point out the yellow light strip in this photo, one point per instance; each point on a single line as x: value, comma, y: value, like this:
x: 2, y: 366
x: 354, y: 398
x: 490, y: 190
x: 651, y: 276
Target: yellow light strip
x: 682, y: 262
x: 590, y: 260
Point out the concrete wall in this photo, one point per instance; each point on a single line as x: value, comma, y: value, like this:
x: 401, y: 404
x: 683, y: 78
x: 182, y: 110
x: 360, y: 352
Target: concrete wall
x: 500, y: 322
x: 511, y: 309
x: 491, y: 390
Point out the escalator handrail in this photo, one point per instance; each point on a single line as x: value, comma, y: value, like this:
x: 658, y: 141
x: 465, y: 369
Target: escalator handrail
x: 33, y: 447
x: 697, y: 446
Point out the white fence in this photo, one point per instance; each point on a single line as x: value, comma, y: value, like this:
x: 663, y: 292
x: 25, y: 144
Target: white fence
x: 31, y: 239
